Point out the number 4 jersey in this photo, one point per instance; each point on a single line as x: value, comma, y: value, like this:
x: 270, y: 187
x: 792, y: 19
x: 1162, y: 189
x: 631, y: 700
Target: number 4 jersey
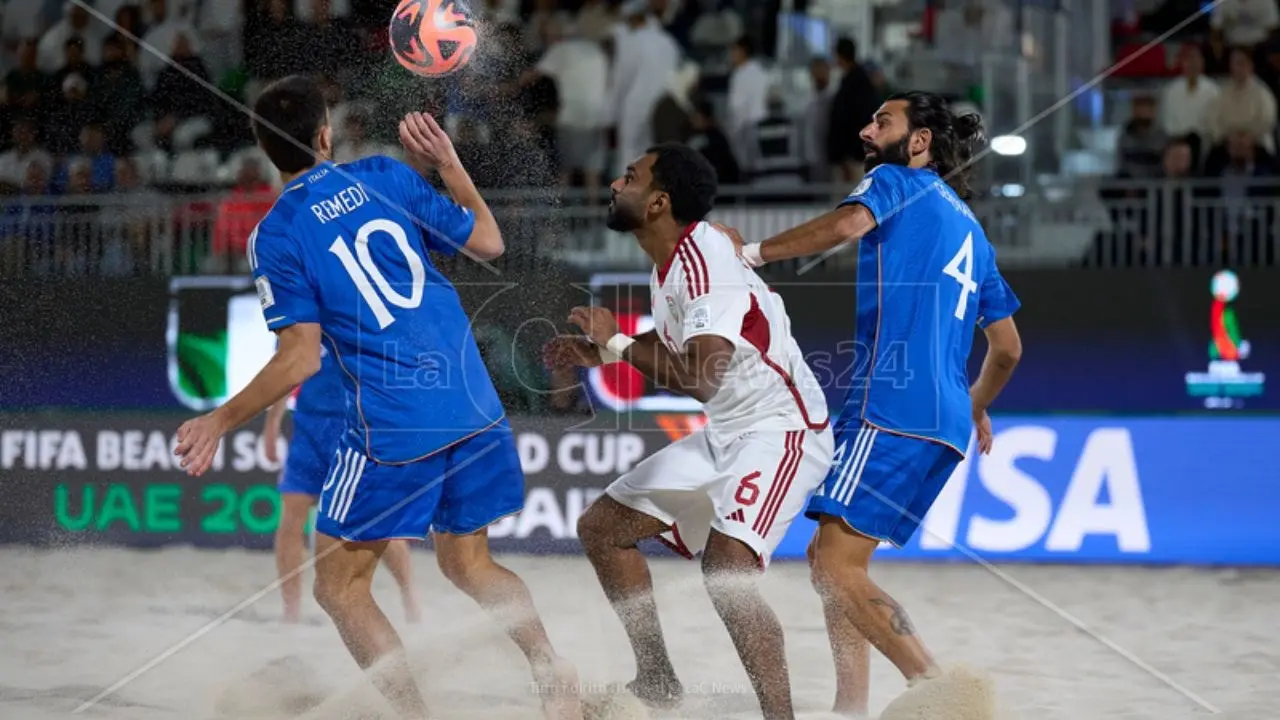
x: 345, y: 246
x: 926, y: 276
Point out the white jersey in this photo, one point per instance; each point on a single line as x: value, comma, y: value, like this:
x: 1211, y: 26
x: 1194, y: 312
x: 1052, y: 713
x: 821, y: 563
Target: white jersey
x: 706, y: 289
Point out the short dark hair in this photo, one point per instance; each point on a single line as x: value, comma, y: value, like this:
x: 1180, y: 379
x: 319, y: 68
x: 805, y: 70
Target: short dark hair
x: 955, y: 137
x: 746, y: 45
x: 687, y: 177
x: 847, y: 49
x: 286, y: 119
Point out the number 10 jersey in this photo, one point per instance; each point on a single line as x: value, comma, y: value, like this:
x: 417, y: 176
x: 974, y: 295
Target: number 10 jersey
x: 345, y: 246
x: 926, y: 276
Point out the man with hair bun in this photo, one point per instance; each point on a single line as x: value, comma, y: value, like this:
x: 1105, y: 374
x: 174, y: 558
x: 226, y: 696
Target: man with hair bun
x: 926, y: 276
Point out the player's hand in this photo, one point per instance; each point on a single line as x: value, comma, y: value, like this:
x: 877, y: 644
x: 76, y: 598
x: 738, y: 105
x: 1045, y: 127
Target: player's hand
x: 733, y: 235
x: 597, y: 322
x: 424, y: 140
x: 571, y: 351
x: 982, y: 423
x: 198, y: 443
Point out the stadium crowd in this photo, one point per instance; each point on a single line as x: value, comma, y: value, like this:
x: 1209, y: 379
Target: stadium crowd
x: 144, y: 101
x: 90, y: 106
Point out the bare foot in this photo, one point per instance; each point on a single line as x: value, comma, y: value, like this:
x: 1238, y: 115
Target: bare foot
x: 558, y: 689
x: 662, y: 693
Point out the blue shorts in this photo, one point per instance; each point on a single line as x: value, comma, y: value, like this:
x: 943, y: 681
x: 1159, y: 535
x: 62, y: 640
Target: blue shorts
x: 307, y: 463
x: 458, y: 490
x: 882, y: 484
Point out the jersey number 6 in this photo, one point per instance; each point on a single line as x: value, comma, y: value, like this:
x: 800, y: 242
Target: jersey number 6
x: 748, y: 492
x: 961, y: 268
x: 366, y: 270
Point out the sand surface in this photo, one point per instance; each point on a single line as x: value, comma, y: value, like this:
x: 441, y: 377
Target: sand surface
x: 72, y: 623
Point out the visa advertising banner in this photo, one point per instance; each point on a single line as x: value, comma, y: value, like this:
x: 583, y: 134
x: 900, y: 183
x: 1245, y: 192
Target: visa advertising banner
x: 1194, y: 490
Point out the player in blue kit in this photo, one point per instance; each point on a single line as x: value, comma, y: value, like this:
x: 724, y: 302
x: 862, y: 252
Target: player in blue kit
x: 341, y: 260
x: 319, y: 419
x: 926, y: 276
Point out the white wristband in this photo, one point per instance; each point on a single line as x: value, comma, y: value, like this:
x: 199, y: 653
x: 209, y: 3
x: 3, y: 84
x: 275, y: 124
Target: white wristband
x: 607, y: 357
x: 751, y: 253
x: 619, y: 343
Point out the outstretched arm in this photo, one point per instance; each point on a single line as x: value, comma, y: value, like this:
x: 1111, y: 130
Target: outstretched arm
x: 297, y: 359
x: 429, y: 147
x: 846, y: 223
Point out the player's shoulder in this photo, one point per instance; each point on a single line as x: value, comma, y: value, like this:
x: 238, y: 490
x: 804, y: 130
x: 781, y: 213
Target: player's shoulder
x: 881, y: 179
x: 375, y: 165
x: 275, y: 229
x: 885, y: 173
x: 711, y: 244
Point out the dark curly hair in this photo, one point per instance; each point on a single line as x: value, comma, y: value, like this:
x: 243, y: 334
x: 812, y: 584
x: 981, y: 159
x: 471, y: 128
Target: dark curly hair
x: 955, y: 137
x: 687, y: 177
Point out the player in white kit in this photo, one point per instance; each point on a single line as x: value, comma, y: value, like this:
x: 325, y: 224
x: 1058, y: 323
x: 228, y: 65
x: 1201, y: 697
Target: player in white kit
x: 731, y: 489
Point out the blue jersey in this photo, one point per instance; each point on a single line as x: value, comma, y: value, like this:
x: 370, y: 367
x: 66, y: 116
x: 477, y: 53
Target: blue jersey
x: 926, y: 275
x: 346, y: 247
x: 322, y: 395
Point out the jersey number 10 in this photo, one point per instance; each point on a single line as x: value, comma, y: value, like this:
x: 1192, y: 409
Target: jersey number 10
x: 365, y: 270
x: 961, y: 268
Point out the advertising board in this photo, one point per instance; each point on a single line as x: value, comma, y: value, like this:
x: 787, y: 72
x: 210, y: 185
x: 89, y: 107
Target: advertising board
x: 1097, y: 341
x: 1195, y: 490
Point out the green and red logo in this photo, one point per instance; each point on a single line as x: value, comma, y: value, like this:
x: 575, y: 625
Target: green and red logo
x: 1225, y: 384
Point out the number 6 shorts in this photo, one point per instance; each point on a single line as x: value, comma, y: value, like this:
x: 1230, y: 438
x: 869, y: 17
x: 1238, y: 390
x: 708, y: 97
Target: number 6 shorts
x: 750, y: 487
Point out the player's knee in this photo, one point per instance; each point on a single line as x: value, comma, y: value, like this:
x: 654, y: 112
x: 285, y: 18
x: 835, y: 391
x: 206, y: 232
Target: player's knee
x: 827, y: 570
x: 329, y: 592
x: 463, y: 568
x: 726, y: 584
x: 730, y: 567
x: 593, y: 526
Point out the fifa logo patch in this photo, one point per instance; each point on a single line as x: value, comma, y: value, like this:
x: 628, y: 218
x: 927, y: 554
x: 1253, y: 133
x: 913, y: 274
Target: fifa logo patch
x: 264, y: 292
x: 700, y: 318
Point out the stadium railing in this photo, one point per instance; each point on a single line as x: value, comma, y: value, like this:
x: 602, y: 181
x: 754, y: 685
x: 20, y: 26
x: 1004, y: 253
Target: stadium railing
x: 1107, y: 223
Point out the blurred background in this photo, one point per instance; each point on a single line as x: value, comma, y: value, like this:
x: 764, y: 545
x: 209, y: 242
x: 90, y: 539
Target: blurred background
x: 1132, y: 196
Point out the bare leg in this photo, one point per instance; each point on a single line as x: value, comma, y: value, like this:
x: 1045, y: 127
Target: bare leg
x: 466, y: 561
x: 344, y: 575
x: 609, y: 532
x: 840, y: 560
x: 399, y: 560
x: 851, y: 652
x: 730, y: 570
x: 291, y: 551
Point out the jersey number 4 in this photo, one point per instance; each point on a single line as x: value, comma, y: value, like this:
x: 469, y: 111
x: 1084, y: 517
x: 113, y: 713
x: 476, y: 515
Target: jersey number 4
x: 370, y: 281
x: 961, y: 269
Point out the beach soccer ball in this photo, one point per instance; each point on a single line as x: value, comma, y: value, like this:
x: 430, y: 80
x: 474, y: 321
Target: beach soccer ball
x: 432, y: 37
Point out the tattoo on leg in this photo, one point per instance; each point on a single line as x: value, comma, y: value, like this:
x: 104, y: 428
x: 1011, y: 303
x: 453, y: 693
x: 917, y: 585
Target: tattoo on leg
x: 898, y: 619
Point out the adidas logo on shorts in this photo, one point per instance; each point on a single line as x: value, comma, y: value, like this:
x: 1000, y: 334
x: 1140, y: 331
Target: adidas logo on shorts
x: 736, y: 516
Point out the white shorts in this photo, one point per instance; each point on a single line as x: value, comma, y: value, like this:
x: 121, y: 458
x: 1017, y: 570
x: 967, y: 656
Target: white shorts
x: 749, y: 488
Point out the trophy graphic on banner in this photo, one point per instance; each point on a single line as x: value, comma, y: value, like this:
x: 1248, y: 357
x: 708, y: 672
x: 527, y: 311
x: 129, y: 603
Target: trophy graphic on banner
x: 1225, y: 383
